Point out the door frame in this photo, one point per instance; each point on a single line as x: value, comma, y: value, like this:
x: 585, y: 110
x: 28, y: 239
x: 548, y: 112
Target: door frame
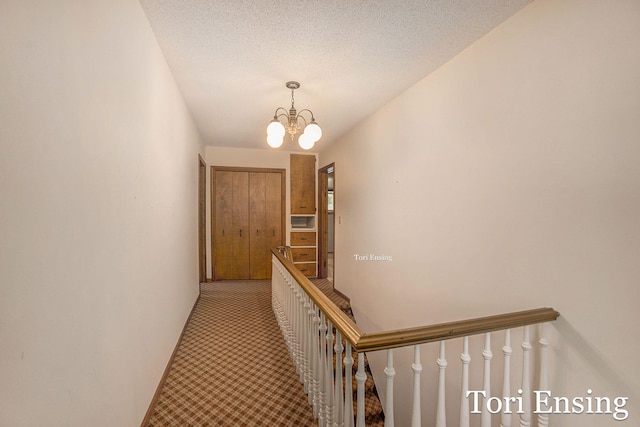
x: 214, y: 169
x: 202, y: 219
x: 323, y: 218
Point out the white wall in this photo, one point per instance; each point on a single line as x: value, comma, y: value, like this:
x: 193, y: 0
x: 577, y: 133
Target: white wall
x: 247, y: 158
x: 98, y: 213
x: 507, y: 180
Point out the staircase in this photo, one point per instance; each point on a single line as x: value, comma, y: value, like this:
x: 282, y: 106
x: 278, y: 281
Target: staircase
x: 308, y: 314
x: 374, y: 415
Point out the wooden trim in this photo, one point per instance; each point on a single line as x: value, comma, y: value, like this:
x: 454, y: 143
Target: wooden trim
x: 322, y: 223
x: 202, y: 219
x: 323, y: 216
x: 361, y: 341
x: 462, y: 328
x: 283, y: 196
x: 241, y: 169
x: 212, y: 219
x: 165, y: 374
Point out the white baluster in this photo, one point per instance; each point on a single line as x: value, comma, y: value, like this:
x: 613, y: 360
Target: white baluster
x: 441, y: 414
x: 485, y: 418
x: 416, y: 366
x: 348, y: 391
x: 322, y: 374
x: 305, y: 344
x: 361, y: 377
x: 543, y: 418
x: 464, y: 404
x: 311, y: 344
x: 389, y: 372
x: 285, y: 308
x: 275, y: 288
x: 506, y: 383
x: 329, y: 386
x: 339, y: 393
x: 295, y: 345
x: 302, y: 335
x: 291, y: 316
x: 300, y: 338
x: 281, y: 299
x: 525, y: 416
x: 316, y: 361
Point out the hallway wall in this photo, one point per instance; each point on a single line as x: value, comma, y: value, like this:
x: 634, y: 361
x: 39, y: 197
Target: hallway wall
x: 508, y: 179
x: 98, y: 213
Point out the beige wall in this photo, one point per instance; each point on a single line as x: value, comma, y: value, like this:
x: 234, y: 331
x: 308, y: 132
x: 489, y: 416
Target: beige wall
x: 98, y: 213
x: 506, y: 180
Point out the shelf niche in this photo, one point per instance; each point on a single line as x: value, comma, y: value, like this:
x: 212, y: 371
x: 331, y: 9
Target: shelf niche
x: 307, y: 222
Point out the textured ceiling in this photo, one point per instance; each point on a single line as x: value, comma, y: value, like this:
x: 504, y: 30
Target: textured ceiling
x: 231, y: 58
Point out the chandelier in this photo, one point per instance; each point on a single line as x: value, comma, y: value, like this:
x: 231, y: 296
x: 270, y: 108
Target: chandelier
x: 293, y: 122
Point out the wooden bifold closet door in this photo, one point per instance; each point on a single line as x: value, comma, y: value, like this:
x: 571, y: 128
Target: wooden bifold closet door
x: 248, y: 221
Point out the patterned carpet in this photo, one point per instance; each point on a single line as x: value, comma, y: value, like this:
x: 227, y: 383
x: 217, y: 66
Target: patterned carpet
x: 232, y: 367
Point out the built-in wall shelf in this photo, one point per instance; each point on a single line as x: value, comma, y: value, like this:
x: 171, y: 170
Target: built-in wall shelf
x: 306, y: 222
x: 303, y: 213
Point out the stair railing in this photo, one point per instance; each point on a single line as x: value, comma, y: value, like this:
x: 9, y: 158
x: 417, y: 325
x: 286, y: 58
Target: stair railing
x: 308, y: 319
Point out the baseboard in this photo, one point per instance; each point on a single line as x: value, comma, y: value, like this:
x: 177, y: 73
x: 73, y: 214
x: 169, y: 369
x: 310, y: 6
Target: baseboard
x: 156, y: 395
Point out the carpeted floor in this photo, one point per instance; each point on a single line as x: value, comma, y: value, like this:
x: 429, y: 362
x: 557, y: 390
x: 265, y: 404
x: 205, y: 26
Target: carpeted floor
x: 232, y: 367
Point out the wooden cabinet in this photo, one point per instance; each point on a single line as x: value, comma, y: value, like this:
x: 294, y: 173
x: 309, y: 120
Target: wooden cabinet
x: 307, y: 268
x: 303, y: 183
x: 303, y: 210
x: 303, y: 238
x: 303, y: 251
x: 303, y: 254
x: 248, y: 220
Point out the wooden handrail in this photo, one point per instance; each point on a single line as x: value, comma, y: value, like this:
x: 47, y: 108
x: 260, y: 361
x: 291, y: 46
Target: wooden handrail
x: 350, y: 331
x: 361, y: 341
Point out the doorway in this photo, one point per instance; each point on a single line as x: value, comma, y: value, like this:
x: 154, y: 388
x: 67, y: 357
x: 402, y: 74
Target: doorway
x: 326, y: 222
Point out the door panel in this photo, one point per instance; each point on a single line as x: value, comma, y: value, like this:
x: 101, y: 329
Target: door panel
x: 223, y: 256
x: 240, y: 225
x: 257, y: 215
x: 274, y: 214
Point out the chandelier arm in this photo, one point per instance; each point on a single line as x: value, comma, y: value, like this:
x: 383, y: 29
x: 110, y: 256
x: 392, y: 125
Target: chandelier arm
x: 276, y: 115
x: 307, y: 110
x: 302, y: 117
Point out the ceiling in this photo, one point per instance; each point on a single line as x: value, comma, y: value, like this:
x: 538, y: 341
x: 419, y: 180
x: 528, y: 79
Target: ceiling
x: 232, y: 58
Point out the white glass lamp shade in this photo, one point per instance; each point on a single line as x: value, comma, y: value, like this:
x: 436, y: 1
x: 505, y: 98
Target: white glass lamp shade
x: 275, y: 128
x: 305, y: 141
x: 314, y: 131
x: 275, y: 134
x: 275, y: 141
